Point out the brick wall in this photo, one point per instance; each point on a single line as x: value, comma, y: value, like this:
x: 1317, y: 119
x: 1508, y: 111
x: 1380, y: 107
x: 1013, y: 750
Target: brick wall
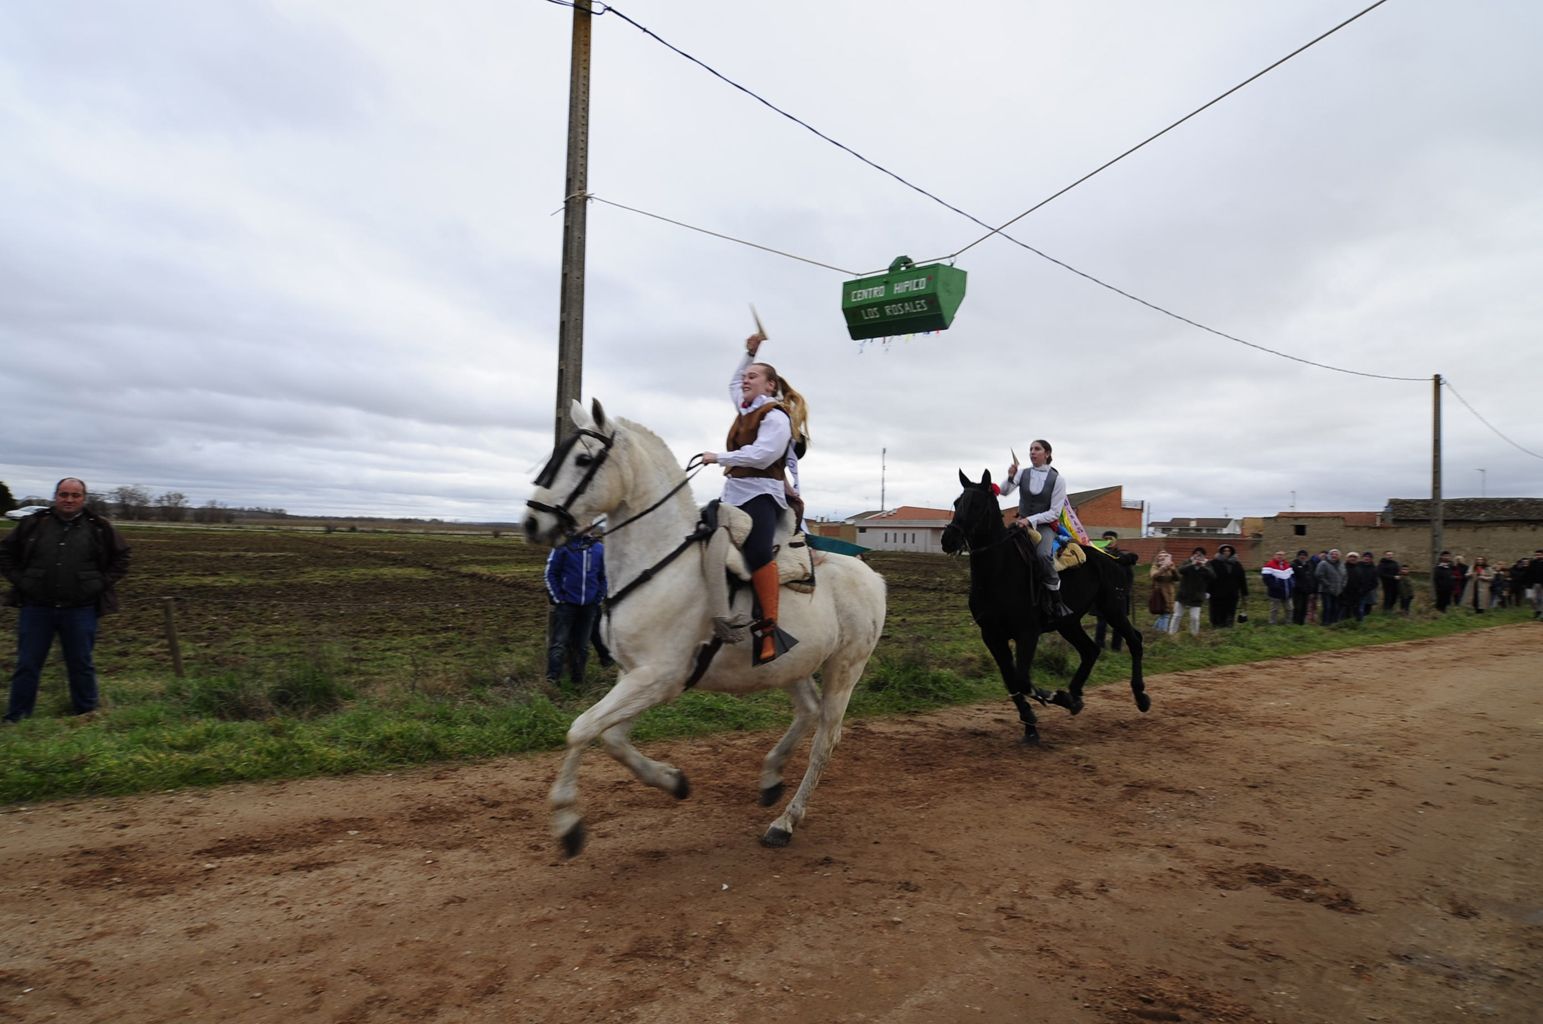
x: 1504, y: 542
x: 1107, y: 512
x: 1146, y: 548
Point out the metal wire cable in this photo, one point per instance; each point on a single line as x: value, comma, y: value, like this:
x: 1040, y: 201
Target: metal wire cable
x: 1000, y: 230
x: 1448, y: 383
x: 1152, y: 138
x: 715, y: 234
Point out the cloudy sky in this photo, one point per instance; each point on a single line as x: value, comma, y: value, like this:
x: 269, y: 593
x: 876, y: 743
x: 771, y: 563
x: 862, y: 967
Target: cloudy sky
x: 305, y: 253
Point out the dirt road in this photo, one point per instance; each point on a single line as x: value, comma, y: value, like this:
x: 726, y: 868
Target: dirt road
x: 1341, y: 838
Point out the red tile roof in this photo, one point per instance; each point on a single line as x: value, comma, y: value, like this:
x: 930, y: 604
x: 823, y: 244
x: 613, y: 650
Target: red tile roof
x: 910, y: 514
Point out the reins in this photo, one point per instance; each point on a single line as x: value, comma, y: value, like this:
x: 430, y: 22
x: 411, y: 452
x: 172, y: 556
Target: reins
x: 570, y: 524
x: 693, y: 467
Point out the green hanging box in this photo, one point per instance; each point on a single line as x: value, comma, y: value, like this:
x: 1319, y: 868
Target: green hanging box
x: 906, y: 300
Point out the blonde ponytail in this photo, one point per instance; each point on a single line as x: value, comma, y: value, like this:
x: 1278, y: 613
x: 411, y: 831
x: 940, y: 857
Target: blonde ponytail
x: 798, y: 411
x: 794, y: 403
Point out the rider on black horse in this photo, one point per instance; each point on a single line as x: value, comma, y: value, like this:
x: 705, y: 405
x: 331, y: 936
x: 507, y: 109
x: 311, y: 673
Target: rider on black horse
x: 1041, y: 497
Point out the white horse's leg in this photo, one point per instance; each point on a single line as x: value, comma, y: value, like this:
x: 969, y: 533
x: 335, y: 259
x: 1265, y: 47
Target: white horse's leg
x: 634, y: 693
x: 839, y: 676
x: 659, y: 774
x: 806, y: 708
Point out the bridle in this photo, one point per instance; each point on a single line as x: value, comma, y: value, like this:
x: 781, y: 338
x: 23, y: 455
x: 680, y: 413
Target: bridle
x: 570, y: 525
x: 964, y: 537
x: 549, y: 473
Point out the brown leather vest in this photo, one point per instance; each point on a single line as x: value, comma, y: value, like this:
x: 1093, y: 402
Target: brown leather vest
x: 744, y: 432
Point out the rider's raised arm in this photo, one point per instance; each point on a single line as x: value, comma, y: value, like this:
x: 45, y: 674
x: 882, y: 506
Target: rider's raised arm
x: 736, y: 382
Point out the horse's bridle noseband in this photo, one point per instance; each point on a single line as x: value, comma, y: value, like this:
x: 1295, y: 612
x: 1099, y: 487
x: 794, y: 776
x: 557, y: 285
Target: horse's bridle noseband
x: 964, y: 537
x: 549, y: 473
x: 570, y: 525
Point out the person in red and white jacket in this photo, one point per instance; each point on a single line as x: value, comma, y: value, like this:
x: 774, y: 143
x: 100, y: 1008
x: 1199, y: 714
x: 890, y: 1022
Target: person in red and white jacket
x: 1279, y: 583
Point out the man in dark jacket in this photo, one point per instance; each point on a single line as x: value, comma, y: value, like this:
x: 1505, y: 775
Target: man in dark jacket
x: 1387, y: 574
x: 1230, y: 585
x: 63, y: 565
x: 1441, y: 580
x: 575, y: 584
x: 1127, y: 562
x: 1304, y: 587
x: 1195, y: 579
x: 1360, y: 584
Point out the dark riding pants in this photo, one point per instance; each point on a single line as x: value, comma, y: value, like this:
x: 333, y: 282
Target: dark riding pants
x: 764, y: 513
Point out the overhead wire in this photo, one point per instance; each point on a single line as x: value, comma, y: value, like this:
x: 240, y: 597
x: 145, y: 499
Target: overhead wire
x: 1152, y: 138
x: 1000, y: 230
x: 715, y: 234
x: 1448, y: 384
x: 601, y: 8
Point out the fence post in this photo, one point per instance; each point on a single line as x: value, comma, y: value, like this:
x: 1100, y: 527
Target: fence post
x: 171, y: 635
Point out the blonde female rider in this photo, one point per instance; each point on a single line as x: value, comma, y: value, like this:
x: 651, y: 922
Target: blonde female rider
x: 761, y: 464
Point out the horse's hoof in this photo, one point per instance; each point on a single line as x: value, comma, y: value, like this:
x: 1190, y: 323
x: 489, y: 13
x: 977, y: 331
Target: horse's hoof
x: 776, y: 837
x: 1031, y: 737
x: 1143, y: 703
x: 1043, y: 696
x: 772, y: 794
x: 573, y: 840
x: 1063, y: 699
x: 682, y: 786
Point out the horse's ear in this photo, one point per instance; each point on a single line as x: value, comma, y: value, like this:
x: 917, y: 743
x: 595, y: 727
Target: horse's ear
x: 578, y: 415
x: 985, y: 481
x: 598, y: 411
x: 965, y: 481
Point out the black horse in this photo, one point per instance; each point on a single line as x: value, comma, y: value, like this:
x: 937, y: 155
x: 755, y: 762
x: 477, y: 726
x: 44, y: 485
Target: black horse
x: 1005, y: 602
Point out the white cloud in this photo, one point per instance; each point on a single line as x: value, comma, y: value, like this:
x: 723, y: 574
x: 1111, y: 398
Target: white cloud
x: 304, y: 254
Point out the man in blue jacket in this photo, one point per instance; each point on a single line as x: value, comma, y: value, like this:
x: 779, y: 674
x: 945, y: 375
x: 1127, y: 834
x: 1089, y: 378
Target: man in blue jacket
x: 575, y: 584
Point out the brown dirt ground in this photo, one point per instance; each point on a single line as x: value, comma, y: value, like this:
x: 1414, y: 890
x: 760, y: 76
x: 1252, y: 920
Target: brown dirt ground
x: 1338, y: 838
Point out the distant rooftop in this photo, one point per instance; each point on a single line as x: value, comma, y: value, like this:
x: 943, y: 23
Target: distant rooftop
x: 1467, y: 510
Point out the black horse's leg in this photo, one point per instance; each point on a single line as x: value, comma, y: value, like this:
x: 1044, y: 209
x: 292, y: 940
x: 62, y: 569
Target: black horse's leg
x: 1028, y: 643
x: 1132, y: 636
x: 1000, y: 649
x: 1087, y: 653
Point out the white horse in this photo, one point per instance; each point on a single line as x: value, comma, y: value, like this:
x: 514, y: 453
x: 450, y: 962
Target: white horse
x: 659, y: 617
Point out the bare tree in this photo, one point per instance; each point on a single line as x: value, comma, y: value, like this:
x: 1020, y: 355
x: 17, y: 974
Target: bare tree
x: 131, y: 502
x: 173, y: 506
x: 212, y: 511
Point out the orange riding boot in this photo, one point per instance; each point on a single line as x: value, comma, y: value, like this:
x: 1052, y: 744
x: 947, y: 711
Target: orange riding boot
x: 769, y: 640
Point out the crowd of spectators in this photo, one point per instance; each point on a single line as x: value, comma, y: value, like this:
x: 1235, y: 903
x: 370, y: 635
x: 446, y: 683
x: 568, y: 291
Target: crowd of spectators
x: 1331, y: 586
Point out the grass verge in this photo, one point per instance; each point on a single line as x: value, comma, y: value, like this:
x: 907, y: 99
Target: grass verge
x: 306, y: 715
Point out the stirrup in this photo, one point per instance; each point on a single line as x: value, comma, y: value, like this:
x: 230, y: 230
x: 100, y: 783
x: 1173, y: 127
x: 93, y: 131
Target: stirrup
x: 782, y: 642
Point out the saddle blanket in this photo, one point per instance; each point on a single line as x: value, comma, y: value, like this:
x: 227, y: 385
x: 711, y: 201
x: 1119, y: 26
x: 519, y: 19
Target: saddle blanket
x: 795, y: 562
x: 1069, y: 556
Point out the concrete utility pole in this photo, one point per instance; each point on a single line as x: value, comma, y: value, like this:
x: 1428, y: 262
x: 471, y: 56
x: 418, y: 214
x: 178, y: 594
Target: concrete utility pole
x: 1435, y: 474
x: 883, y: 466
x: 570, y: 322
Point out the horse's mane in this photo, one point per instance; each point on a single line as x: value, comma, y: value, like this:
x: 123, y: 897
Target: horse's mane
x: 652, y: 453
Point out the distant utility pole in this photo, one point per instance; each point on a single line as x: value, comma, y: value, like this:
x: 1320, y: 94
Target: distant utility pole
x: 1483, y: 483
x: 1435, y: 473
x: 883, y: 456
x: 570, y: 321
